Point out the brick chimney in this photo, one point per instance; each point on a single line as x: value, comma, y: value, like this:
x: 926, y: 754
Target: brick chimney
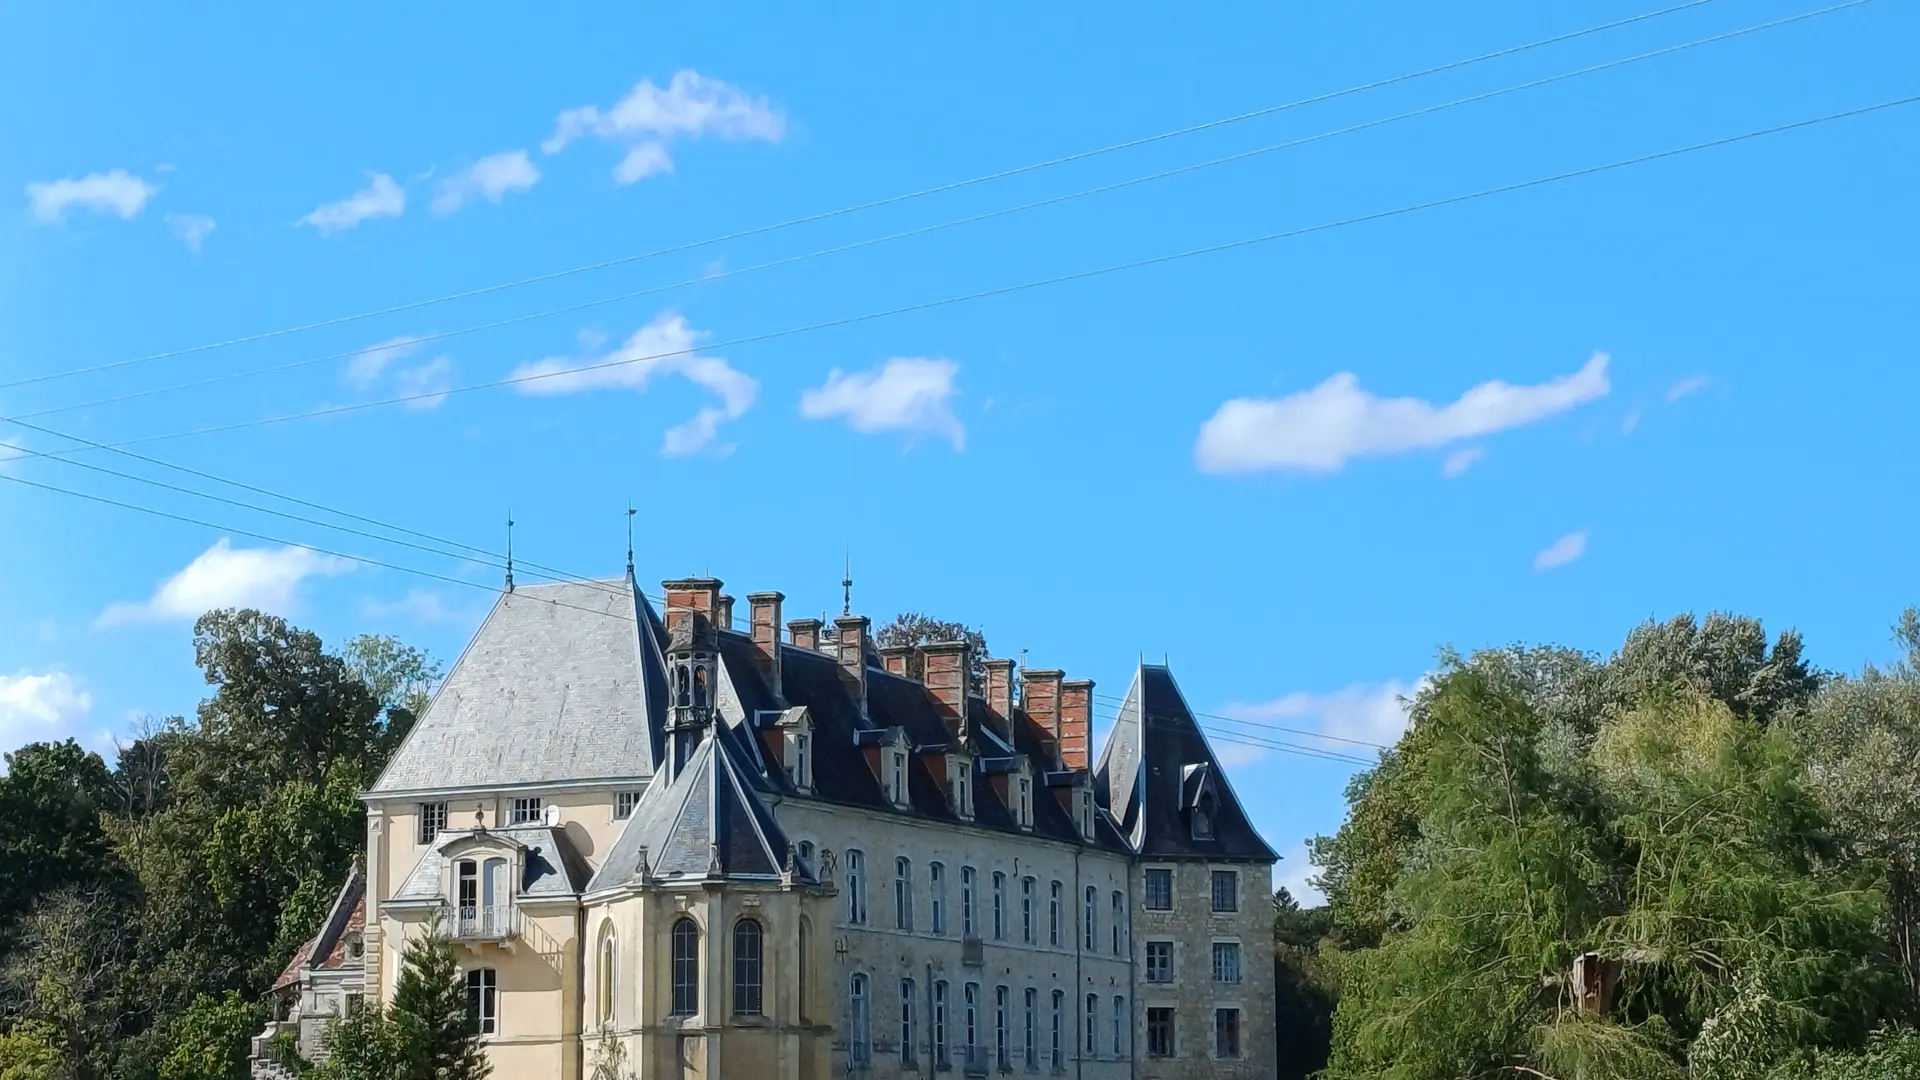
x: 943, y: 667
x: 894, y: 659
x: 850, y: 647
x: 1076, y: 722
x: 763, y: 623
x: 1000, y: 695
x: 1041, y: 697
x: 723, y: 613
x: 687, y: 596
x: 805, y: 633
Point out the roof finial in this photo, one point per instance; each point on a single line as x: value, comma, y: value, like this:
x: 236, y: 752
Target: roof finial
x: 630, y: 512
x: 846, y: 585
x: 509, y: 549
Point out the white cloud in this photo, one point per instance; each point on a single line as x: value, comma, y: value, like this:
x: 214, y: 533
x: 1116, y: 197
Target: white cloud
x: 221, y: 576
x: 192, y: 229
x: 366, y: 366
x: 1690, y: 385
x: 907, y: 393
x: 665, y: 346
x: 1630, y: 421
x: 11, y: 450
x: 1460, y: 461
x: 1562, y: 551
x: 35, y: 707
x: 431, y: 378
x: 491, y: 178
x: 1366, y: 712
x: 1236, y: 755
x: 1321, y: 429
x: 380, y: 198
x: 1291, y: 873
x: 650, y: 118
x: 117, y: 192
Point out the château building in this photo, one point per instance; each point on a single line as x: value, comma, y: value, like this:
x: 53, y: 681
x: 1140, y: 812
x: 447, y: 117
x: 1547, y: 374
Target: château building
x: 687, y: 848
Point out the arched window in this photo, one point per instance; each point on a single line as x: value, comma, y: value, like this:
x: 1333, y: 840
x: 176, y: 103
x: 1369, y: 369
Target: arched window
x: 608, y: 981
x: 804, y: 969
x: 686, y: 968
x: 682, y: 692
x: 859, y: 1037
x: 700, y: 685
x: 746, y: 968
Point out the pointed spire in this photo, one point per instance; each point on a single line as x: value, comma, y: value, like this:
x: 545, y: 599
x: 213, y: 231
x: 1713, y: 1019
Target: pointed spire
x: 509, y: 549
x: 846, y: 585
x: 630, y: 512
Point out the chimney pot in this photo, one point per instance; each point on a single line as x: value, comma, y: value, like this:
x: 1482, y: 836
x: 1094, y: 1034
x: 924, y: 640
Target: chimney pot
x: 763, y: 624
x: 850, y: 648
x: 688, y: 596
x: 1040, y: 694
x: 894, y: 658
x: 1076, y: 722
x: 806, y: 633
x: 723, y: 613
x: 1000, y: 695
x: 944, y: 668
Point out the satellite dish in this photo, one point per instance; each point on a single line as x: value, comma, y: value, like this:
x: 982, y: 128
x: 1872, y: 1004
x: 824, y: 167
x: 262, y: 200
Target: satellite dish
x: 551, y: 815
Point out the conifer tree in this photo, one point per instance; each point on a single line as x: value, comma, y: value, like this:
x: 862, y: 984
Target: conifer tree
x: 437, y: 1038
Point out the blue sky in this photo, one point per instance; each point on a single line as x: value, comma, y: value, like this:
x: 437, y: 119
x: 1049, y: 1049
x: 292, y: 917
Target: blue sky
x: 1295, y: 469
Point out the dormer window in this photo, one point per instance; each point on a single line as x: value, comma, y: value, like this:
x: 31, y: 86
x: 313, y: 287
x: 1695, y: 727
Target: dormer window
x: 960, y: 786
x: 1203, y: 818
x: 1023, y: 801
x: 1085, y: 799
x: 897, y: 777
x: 482, y: 899
x: 801, y: 771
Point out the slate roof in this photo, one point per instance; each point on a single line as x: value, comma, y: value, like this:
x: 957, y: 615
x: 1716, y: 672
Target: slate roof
x: 327, y: 951
x: 1155, y: 760
x: 562, y: 682
x: 709, y: 822
x: 552, y: 868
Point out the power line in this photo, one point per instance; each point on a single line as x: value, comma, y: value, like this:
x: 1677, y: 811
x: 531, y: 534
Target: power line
x: 1245, y: 155
x: 1165, y: 721
x: 1115, y: 701
x: 872, y: 204
x: 1081, y: 275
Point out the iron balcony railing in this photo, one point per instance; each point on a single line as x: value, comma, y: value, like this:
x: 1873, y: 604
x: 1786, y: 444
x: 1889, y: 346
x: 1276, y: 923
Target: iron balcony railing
x: 484, y: 923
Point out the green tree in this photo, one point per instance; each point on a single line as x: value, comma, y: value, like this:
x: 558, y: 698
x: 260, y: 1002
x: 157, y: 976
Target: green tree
x: 209, y: 1040
x: 433, y: 1029
x: 363, y: 1045
x: 51, y: 797
x: 30, y: 1051
x: 919, y: 628
x: 1304, y: 989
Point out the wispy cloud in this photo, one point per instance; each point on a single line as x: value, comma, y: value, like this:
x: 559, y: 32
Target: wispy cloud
x: 192, y: 229
x: 1460, y: 461
x: 37, y: 707
x: 419, y: 606
x: 425, y: 386
x: 1630, y: 421
x: 910, y: 394
x: 379, y: 199
x: 1691, y: 385
x: 1561, y: 551
x: 491, y: 178
x: 366, y: 368
x: 651, y: 118
x: 1364, y: 712
x: 1320, y: 430
x: 223, y: 576
x: 666, y: 346
x: 118, y: 192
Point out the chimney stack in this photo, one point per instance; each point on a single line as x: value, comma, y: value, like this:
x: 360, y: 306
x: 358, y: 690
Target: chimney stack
x: 763, y: 618
x: 850, y: 646
x: 806, y: 634
x: 723, y: 613
x: 944, y: 668
x: 1000, y: 695
x: 688, y: 596
x: 894, y: 659
x: 1076, y: 723
x: 1040, y: 694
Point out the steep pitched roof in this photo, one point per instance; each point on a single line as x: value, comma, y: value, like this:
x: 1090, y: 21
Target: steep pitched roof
x: 710, y: 820
x: 563, y: 682
x: 327, y: 951
x: 550, y: 865
x: 1156, y: 765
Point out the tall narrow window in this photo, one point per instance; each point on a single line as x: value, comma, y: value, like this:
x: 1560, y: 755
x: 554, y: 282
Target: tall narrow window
x: 972, y: 1021
x: 1226, y: 890
x: 940, y: 1023
x: 1054, y: 903
x: 433, y: 821
x: 1026, y: 910
x: 937, y: 890
x: 1119, y: 1026
x: 1002, y: 1046
x: 1119, y: 922
x: 999, y: 906
x: 802, y: 775
x: 1059, y: 1021
x: 686, y: 968
x: 1092, y: 915
x: 467, y: 897
x: 747, y: 962
x: 1226, y: 1033
x: 898, y: 790
x: 1159, y: 1032
x: 859, y: 1018
x: 856, y: 888
x: 902, y: 894
x: 966, y: 903
x: 804, y: 971
x: 483, y: 1001
x: 1091, y: 1044
x: 907, y: 1040
x: 608, y: 980
x: 1032, y: 1003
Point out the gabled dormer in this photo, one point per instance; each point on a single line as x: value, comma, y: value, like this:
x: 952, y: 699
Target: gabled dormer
x: 960, y: 782
x: 789, y: 741
x: 1011, y: 780
x: 887, y: 754
x: 1199, y: 800
x: 1073, y: 789
x: 479, y: 881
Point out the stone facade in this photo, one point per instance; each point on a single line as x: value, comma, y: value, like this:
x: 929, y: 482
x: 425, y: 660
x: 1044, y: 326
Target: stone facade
x: 806, y: 864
